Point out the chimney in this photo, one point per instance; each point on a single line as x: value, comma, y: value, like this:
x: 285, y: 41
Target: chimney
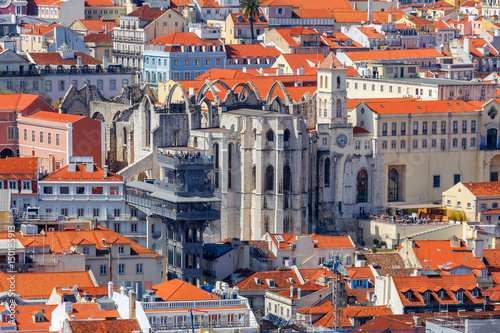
x: 79, y: 61
x: 123, y: 290
x: 110, y: 289
x: 89, y: 167
x: 418, y: 321
x: 105, y: 63
x: 106, y: 29
x: 370, y: 9
x: 245, y: 70
x: 104, y: 171
x: 391, y: 18
x: 467, y: 45
x: 131, y: 305
x: 477, y: 247
x: 298, y: 293
x: 68, y: 307
x: 291, y: 291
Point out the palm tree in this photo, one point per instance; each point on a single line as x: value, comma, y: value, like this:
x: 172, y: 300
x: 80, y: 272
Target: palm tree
x: 250, y: 9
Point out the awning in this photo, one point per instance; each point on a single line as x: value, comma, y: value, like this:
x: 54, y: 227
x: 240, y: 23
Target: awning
x: 416, y: 206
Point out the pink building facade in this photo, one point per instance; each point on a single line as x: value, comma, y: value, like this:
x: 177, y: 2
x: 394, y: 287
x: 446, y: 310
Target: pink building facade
x: 54, y: 138
x: 12, y: 106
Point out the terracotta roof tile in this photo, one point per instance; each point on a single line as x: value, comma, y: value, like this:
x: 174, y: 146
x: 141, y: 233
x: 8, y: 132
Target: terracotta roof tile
x: 183, y: 38
x: 98, y: 25
x: 370, y: 32
x: 105, y: 326
x: 54, y: 116
x: 98, y: 38
x: 82, y: 175
x: 358, y: 16
x: 84, y: 311
x: 320, y: 241
x: 147, y: 13
x: 24, y: 317
x: 438, y: 254
x: 306, y: 60
x: 178, y: 290
x: 483, y: 189
x: 55, y: 58
x: 41, y: 285
x: 331, y: 61
x: 313, y: 4
x: 251, y: 50
x: 99, y: 3
x: 392, y: 54
x: 390, y: 106
x: 16, y: 102
x: 19, y: 167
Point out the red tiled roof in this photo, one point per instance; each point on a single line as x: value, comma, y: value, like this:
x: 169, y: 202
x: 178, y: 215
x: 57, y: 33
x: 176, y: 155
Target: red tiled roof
x: 313, y: 4
x: 105, y: 326
x: 438, y: 254
x: 357, y: 16
x: 311, y: 13
x: 492, y: 259
x: 41, y: 28
x: 98, y: 38
x: 82, y: 175
x: 19, y: 166
x: 24, y: 317
x: 83, y: 311
x: 184, y: 38
x: 483, y: 189
x: 178, y: 290
x: 239, y: 19
x: 54, y: 116
x: 99, y: 3
x: 359, y: 130
x: 441, y: 25
x: 251, y: 50
x: 40, y: 285
x: 370, y: 32
x: 297, y: 60
x: 392, y: 54
x: 360, y: 273
x: 147, y: 13
x: 16, y: 102
x: 209, y: 4
x: 98, y: 25
x: 55, y: 58
x: 385, y: 323
x: 331, y: 61
x: 420, y: 284
x: 390, y: 106
x: 179, y: 3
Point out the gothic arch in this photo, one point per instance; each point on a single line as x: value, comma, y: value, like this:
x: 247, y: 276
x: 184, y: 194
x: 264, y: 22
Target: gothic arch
x: 222, y: 84
x: 168, y: 101
x: 276, y: 104
x: 255, y: 90
x: 280, y: 84
x: 98, y: 116
x: 203, y: 91
x: 211, y: 119
x: 245, y: 89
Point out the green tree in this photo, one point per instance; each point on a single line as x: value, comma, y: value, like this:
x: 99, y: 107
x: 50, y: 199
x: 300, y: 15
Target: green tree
x: 250, y: 9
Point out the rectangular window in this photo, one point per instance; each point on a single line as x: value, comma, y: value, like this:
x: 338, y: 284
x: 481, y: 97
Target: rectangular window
x: 415, y: 144
x: 464, y: 143
x: 394, y: 129
x: 57, y: 139
x: 393, y: 144
x: 433, y: 143
x: 424, y: 128
x: 25, y: 134
x: 49, y: 138
x: 64, y: 190
x: 61, y: 85
x: 103, y: 269
x: 64, y: 211
x: 384, y: 129
x: 112, y: 84
x: 455, y: 126
x: 415, y: 128
x: 121, y: 248
x: 114, y: 190
x: 464, y: 126
x: 26, y: 185
x: 473, y: 126
x: 403, y: 128
x: 403, y: 144
x: 424, y: 143
x: 32, y: 135
x: 95, y: 212
x: 138, y: 268
x: 186, y: 62
x: 434, y: 127
x: 384, y: 144
x: 133, y: 227
x: 436, y: 183
x: 80, y: 212
x: 41, y: 136
x: 48, y: 85
x: 116, y: 212
x: 454, y: 142
x: 473, y: 142
x: 456, y: 178
x: 121, y: 269
x: 13, y: 185
x: 86, y: 250
x: 97, y: 190
x: 48, y: 190
x: 443, y: 144
x: 80, y: 190
x: 443, y: 127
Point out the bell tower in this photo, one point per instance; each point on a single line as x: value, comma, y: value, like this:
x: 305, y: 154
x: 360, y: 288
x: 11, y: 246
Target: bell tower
x: 331, y: 106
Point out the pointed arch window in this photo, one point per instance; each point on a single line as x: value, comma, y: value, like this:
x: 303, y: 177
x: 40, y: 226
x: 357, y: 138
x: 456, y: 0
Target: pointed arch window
x: 362, y: 186
x: 269, y: 184
x: 327, y: 172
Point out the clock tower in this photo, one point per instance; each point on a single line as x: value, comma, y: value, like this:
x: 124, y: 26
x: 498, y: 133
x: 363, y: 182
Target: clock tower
x: 331, y: 96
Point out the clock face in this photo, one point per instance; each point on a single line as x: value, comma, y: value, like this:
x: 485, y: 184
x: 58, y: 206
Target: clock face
x: 341, y: 140
x: 4, y: 3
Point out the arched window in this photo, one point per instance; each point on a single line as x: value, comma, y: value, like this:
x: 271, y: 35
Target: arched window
x: 124, y: 136
x: 195, y: 142
x: 339, y: 108
x: 326, y: 82
x: 269, y: 184
x: 393, y: 185
x: 327, y: 172
x: 319, y: 106
x: 287, y: 179
x: 362, y: 186
x: 338, y: 82
x: 270, y: 136
x: 321, y: 81
x: 254, y: 177
x: 286, y: 135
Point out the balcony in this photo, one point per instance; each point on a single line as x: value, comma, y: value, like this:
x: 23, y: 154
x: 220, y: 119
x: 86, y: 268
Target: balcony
x: 126, y: 52
x: 178, y: 160
x: 195, y: 304
x: 489, y: 147
x: 311, y: 43
x: 127, y: 39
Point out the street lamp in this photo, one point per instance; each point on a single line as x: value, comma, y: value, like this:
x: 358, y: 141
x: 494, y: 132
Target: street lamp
x: 109, y: 258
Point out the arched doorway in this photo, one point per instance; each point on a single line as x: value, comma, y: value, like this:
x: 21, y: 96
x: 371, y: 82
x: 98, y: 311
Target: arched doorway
x: 362, y: 186
x: 393, y: 188
x: 7, y: 152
